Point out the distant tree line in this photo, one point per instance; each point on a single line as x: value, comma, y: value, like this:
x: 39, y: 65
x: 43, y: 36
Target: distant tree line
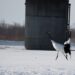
x: 16, y: 31
x: 11, y: 31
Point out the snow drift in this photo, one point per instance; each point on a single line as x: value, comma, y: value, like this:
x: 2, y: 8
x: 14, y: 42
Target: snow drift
x: 16, y: 60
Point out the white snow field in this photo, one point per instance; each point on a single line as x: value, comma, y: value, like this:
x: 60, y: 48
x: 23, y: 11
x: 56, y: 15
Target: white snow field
x: 16, y: 60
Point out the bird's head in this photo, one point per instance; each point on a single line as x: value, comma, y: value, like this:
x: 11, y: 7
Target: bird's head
x: 49, y: 35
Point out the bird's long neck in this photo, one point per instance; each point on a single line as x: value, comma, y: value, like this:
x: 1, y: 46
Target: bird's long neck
x: 68, y: 41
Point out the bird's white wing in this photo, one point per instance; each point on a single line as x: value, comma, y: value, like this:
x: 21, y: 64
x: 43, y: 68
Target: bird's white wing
x: 57, y: 46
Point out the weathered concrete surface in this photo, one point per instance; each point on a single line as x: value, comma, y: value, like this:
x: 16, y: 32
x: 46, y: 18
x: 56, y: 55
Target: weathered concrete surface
x: 44, y: 16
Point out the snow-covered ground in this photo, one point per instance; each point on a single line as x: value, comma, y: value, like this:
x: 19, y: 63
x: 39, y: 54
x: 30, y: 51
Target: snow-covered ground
x: 16, y: 60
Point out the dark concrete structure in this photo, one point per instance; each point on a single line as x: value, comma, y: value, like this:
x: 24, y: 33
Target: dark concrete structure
x: 44, y: 16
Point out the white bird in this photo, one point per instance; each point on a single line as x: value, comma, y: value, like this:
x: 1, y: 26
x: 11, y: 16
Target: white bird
x: 60, y: 47
x: 63, y: 48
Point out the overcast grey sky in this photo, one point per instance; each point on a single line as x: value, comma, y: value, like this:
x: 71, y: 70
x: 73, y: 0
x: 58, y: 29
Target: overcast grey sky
x: 14, y: 11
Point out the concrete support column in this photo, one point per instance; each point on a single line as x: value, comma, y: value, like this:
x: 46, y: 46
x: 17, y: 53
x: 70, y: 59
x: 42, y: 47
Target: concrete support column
x: 44, y: 16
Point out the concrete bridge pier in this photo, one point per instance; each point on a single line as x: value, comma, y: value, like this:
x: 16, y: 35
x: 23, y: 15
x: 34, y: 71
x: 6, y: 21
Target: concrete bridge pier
x: 44, y: 16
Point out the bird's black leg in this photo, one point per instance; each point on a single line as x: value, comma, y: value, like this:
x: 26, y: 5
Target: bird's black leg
x: 70, y: 56
x: 66, y: 57
x: 57, y: 55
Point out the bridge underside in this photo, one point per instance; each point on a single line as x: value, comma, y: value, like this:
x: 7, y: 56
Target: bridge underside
x: 44, y: 16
